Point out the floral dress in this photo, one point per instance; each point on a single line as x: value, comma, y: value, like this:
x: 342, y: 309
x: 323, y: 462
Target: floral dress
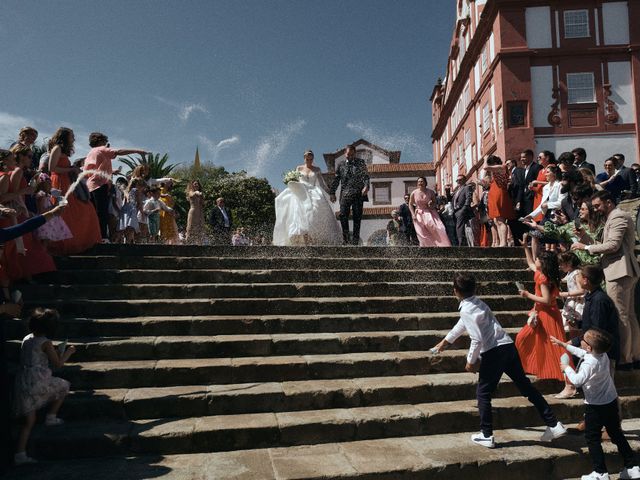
x: 56, y: 228
x: 35, y: 384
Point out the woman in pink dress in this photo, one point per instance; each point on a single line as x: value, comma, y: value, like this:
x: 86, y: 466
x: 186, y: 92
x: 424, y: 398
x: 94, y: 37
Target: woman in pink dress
x: 429, y: 228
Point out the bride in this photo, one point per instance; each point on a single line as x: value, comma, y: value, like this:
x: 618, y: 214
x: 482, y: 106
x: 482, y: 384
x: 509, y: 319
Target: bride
x: 304, y: 215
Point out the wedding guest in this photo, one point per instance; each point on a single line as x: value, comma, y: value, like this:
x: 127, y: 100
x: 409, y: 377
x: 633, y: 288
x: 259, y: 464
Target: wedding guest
x: 621, y: 271
x: 429, y: 228
x: 461, y: 200
x: 610, y: 180
x: 531, y: 170
x: 80, y: 215
x: 551, y: 194
x: 99, y: 160
x: 221, y: 222
x: 545, y: 158
x: 500, y: 206
x: 580, y: 159
x: 627, y: 175
x: 195, y: 218
x: 407, y: 221
x: 168, y: 226
x: 394, y: 229
x: 493, y: 344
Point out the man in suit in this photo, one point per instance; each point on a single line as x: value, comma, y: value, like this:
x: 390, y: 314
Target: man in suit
x: 531, y: 170
x: 516, y: 193
x: 462, y: 210
x: 221, y: 222
x: 621, y: 272
x: 407, y: 221
x: 628, y: 175
x: 580, y: 159
x: 353, y: 178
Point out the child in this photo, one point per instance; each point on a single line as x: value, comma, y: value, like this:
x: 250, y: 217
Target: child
x: 35, y: 384
x: 56, y: 229
x: 601, y: 401
x: 152, y: 207
x: 569, y: 263
x: 499, y: 355
x: 143, y: 217
x: 129, y: 213
x: 539, y: 356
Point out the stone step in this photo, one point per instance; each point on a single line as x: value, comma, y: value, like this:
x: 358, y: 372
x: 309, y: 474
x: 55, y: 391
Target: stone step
x: 207, y: 371
x: 133, y: 291
x: 281, y: 429
x: 207, y: 399
x: 304, y: 252
x: 266, y: 276
x: 436, y: 457
x: 70, y: 327
x: 277, y: 306
x: 105, y: 262
x: 165, y: 347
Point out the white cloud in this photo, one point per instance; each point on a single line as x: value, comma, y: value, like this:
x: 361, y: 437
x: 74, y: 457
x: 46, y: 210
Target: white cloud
x: 270, y: 147
x: 411, y: 147
x: 184, y: 109
x: 215, y: 148
x: 10, y: 125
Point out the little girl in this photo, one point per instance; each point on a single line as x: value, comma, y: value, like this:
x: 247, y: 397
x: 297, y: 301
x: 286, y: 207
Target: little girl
x: 573, y: 303
x: 539, y: 357
x: 129, y: 213
x: 35, y: 384
x: 56, y: 229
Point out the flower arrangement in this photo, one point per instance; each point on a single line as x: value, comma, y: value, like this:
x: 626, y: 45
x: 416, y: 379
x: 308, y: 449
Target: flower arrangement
x: 291, y: 176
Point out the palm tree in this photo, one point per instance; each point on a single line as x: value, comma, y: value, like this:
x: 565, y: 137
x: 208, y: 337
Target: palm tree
x: 158, y: 167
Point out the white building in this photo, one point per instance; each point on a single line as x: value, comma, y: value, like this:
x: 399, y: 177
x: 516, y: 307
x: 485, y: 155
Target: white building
x: 390, y: 180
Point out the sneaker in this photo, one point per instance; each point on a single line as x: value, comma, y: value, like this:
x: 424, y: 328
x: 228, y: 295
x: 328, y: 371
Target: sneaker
x: 22, y: 459
x: 480, y: 439
x: 595, y: 476
x: 53, y: 421
x: 629, y: 473
x: 105, y: 241
x: 551, y: 433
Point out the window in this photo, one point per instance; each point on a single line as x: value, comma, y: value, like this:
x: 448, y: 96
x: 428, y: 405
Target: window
x: 581, y: 88
x: 517, y: 114
x: 381, y: 193
x: 410, y: 186
x: 486, y: 118
x: 466, y: 95
x: 467, y: 137
x: 576, y: 24
x: 484, y: 60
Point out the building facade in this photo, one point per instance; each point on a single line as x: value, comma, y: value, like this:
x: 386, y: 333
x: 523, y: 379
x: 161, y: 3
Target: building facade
x: 539, y: 74
x: 390, y: 180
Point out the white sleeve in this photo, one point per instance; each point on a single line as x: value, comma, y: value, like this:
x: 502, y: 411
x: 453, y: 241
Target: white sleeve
x: 578, y: 352
x: 580, y: 378
x: 558, y: 202
x: 456, y: 331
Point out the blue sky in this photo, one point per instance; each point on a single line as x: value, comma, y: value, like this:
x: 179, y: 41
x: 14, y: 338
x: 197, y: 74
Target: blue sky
x: 253, y: 83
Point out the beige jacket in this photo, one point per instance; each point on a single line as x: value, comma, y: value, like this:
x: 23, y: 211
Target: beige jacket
x: 618, y: 242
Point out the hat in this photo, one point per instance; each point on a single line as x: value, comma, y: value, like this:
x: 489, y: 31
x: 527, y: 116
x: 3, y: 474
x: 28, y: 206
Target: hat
x: 308, y: 152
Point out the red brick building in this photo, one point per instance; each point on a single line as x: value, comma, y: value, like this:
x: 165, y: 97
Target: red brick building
x: 540, y: 74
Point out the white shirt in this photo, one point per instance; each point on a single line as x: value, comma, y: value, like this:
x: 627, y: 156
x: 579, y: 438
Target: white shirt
x: 224, y: 215
x: 594, y: 376
x: 477, y: 319
x: 550, y: 194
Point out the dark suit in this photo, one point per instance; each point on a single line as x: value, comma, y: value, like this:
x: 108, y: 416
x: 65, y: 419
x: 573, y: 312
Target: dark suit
x: 516, y: 193
x: 407, y: 221
x: 630, y: 180
x: 588, y: 165
x: 462, y: 210
x: 526, y: 204
x: 352, y: 176
x: 221, y: 227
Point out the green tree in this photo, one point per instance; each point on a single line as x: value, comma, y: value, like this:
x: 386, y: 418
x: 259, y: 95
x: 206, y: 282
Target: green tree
x: 159, y: 166
x: 251, y: 200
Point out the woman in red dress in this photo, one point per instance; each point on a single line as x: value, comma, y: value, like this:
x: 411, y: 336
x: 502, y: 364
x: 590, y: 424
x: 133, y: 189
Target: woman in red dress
x: 539, y: 356
x: 79, y: 215
x: 36, y: 260
x: 500, y: 203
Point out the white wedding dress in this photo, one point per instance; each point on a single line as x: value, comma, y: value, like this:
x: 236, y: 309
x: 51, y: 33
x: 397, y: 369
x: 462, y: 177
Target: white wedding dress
x: 304, y: 214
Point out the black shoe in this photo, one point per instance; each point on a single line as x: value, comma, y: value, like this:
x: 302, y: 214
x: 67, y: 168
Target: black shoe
x: 355, y: 241
x: 636, y: 365
x: 624, y: 367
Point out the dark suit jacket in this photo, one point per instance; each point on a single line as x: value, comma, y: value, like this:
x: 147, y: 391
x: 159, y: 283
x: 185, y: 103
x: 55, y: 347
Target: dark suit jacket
x: 516, y: 192
x: 526, y: 204
x: 461, y: 201
x: 630, y: 181
x: 217, y: 219
x: 352, y: 176
x: 588, y: 165
x: 600, y: 312
x: 405, y: 213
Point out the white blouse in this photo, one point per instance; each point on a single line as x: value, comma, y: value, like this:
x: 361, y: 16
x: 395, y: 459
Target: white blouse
x: 552, y: 196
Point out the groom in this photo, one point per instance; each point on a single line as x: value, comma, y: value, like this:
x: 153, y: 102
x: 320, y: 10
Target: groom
x: 353, y: 175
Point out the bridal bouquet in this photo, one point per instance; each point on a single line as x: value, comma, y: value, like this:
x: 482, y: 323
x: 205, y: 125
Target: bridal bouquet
x: 292, y: 176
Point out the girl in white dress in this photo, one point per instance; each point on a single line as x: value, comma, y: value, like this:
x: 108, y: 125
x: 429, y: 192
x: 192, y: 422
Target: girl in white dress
x: 35, y: 384
x: 304, y: 215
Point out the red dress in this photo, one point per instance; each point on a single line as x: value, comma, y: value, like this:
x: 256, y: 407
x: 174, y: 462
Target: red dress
x: 538, y: 355
x: 37, y: 260
x: 537, y: 199
x: 80, y: 217
x: 500, y: 203
x: 11, y: 265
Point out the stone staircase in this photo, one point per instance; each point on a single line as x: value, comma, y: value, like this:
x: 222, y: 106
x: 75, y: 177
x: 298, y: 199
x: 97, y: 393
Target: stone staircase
x: 283, y: 363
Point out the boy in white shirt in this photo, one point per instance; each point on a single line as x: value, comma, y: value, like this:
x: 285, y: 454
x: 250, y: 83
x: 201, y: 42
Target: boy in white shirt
x: 499, y: 355
x: 601, y: 399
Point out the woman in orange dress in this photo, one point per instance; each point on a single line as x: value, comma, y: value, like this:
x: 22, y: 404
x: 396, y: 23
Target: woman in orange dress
x: 36, y: 260
x: 539, y: 356
x: 13, y: 249
x: 80, y: 216
x: 500, y: 207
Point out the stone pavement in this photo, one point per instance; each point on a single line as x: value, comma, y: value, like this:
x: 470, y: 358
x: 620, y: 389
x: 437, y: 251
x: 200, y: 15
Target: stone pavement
x: 216, y: 362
